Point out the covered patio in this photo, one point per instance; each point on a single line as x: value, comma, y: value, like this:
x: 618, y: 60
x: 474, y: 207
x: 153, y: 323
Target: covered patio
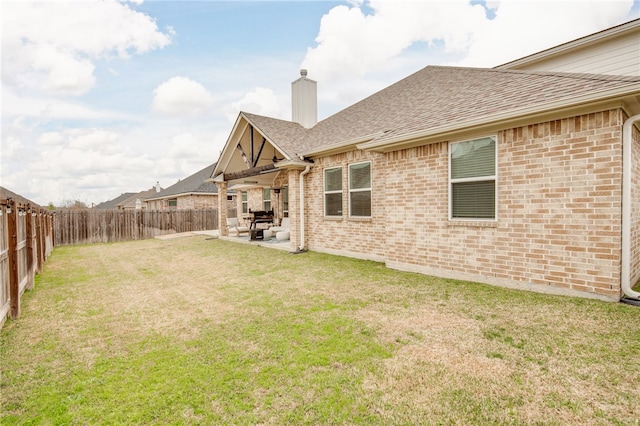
x: 266, y: 178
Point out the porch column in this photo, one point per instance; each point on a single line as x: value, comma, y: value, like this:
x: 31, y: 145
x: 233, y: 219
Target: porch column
x: 222, y: 208
x: 294, y: 208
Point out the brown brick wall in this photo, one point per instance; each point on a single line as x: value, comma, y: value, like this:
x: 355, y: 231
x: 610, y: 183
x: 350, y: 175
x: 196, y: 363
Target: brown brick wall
x: 355, y: 237
x: 198, y: 202
x: 559, y: 210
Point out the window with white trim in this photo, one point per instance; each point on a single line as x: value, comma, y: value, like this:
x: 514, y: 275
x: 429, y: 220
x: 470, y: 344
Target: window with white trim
x: 285, y: 201
x: 333, y: 191
x: 266, y: 199
x: 472, y: 177
x: 360, y: 189
x: 245, y: 202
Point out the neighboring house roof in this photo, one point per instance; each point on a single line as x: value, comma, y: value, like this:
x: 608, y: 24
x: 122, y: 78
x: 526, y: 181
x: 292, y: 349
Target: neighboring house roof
x: 112, y: 204
x: 437, y: 100
x: 197, y: 183
x: 130, y: 203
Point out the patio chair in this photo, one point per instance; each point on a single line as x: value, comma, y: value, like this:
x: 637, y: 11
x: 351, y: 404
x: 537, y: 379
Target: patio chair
x: 234, y: 227
x: 282, y: 232
x: 284, y: 226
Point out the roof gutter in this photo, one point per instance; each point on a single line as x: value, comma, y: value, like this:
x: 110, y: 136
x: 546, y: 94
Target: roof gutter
x: 625, y: 267
x: 342, y: 146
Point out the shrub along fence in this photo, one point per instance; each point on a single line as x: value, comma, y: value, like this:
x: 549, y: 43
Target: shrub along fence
x: 26, y: 240
x: 102, y: 226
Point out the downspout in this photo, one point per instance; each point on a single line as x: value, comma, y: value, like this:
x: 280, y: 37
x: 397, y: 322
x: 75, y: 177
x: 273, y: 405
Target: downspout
x: 304, y: 172
x: 625, y: 267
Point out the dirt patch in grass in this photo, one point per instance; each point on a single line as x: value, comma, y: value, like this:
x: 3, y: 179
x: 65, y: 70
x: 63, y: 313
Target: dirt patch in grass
x: 199, y: 331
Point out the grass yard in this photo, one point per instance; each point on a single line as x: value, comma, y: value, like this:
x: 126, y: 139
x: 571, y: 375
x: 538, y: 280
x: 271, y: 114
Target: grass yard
x: 202, y: 331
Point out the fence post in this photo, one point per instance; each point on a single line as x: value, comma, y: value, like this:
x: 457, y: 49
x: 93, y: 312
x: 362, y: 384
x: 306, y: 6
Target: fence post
x: 30, y: 258
x: 14, y: 280
x: 41, y: 238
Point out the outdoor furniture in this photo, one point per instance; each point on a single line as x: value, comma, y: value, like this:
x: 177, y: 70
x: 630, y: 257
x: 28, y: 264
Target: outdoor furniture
x: 233, y: 226
x: 256, y: 234
x: 282, y: 232
x: 260, y: 217
x: 283, y: 235
x: 284, y: 226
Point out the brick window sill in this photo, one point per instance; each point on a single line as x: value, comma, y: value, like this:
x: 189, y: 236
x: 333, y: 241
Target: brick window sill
x: 473, y: 223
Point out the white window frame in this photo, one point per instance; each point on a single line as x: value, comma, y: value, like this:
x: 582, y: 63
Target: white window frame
x: 486, y: 178
x: 285, y: 201
x: 266, y: 200
x: 244, y: 200
x: 369, y: 189
x: 336, y: 191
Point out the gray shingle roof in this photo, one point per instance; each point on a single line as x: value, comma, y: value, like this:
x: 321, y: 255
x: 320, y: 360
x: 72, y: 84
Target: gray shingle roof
x: 433, y: 97
x: 112, y: 204
x: 194, y: 184
x: 436, y: 96
x: 286, y: 135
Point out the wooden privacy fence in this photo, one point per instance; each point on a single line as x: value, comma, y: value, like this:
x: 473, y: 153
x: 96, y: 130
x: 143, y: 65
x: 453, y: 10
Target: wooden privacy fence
x: 26, y: 240
x: 102, y: 226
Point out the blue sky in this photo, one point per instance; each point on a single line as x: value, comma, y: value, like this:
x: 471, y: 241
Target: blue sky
x: 105, y: 97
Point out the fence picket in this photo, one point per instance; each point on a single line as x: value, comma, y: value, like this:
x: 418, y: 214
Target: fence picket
x: 101, y: 226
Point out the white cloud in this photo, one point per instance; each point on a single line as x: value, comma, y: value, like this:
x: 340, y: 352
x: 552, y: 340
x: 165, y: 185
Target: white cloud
x: 49, y: 47
x: 181, y: 97
x: 187, y: 146
x: 48, y: 107
x: 50, y: 139
x: 539, y: 25
x: 261, y: 101
x: 363, y: 47
x: 11, y: 147
x: 352, y: 43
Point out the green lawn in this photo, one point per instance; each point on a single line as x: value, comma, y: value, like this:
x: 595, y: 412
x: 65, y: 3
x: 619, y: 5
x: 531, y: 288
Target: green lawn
x: 202, y: 331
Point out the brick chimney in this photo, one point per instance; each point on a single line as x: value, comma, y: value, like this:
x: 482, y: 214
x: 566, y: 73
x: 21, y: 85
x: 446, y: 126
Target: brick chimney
x: 304, y: 101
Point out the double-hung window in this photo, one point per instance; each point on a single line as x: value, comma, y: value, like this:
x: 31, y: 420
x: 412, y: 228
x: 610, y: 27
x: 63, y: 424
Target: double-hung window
x: 245, y: 202
x: 266, y: 199
x: 333, y: 191
x: 285, y: 201
x: 472, y: 177
x: 360, y: 189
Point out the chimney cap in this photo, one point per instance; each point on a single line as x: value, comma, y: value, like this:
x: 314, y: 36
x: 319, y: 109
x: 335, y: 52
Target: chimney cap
x: 303, y: 72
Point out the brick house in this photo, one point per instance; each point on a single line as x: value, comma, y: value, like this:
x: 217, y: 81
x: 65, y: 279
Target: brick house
x: 501, y: 176
x: 192, y: 192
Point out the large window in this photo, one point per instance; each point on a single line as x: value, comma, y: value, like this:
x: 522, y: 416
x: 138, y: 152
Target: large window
x: 360, y: 190
x: 266, y: 199
x: 333, y: 191
x: 472, y: 169
x: 245, y: 202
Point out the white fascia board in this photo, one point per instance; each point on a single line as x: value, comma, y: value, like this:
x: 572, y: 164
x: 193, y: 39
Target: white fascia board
x: 292, y: 164
x: 528, y: 113
x: 228, y: 150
